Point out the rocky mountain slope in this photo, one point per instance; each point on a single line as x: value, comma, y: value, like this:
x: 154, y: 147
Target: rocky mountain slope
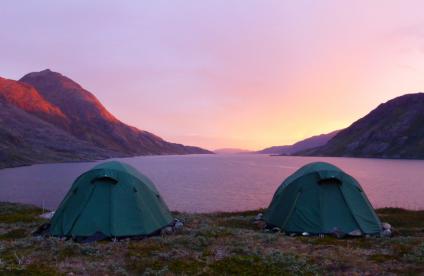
x: 394, y: 129
x: 26, y: 139
x: 312, y: 142
x: 47, y: 117
x: 90, y: 121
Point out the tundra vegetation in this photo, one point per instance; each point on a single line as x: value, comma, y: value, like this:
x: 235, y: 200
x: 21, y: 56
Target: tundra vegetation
x: 211, y: 244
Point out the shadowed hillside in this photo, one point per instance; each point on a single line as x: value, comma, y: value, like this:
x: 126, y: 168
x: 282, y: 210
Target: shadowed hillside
x: 393, y: 130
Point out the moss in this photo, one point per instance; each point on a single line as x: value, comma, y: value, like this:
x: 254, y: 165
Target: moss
x: 380, y: 258
x: 276, y: 263
x: 249, y: 213
x: 213, y: 233
x: 186, y: 266
x: 405, y: 221
x: 14, y: 213
x: 69, y: 250
x: 416, y: 255
x: 40, y: 269
x: 332, y: 241
x: 14, y: 234
x: 146, y: 248
x: 400, y: 250
x: 238, y: 223
x: 145, y: 264
x: 246, y: 265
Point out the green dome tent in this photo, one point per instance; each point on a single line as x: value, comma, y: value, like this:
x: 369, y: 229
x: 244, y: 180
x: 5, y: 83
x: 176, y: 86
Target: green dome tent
x: 112, y: 199
x: 320, y: 198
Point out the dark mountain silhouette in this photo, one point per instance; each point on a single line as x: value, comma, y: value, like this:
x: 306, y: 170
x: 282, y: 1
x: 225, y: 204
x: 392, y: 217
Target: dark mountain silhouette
x: 394, y: 129
x: 47, y: 117
x: 308, y: 143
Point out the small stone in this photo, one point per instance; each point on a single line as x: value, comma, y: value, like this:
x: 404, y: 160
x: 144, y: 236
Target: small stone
x: 355, y: 233
x: 167, y: 230
x: 178, y: 226
x: 386, y: 233
x: 338, y: 233
x: 219, y: 254
x: 276, y: 230
x: 385, y: 225
x: 259, y: 216
x: 47, y: 215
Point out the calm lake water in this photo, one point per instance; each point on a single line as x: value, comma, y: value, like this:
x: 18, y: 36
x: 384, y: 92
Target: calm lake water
x: 206, y: 183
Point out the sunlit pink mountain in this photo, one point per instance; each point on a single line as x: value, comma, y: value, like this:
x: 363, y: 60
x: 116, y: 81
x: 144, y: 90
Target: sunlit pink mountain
x: 47, y: 117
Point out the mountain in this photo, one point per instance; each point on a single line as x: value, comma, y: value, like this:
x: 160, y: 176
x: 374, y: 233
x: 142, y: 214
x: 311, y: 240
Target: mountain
x: 393, y: 130
x: 231, y: 151
x: 89, y: 120
x: 312, y: 142
x: 27, y: 98
x: 47, y: 117
x: 26, y: 139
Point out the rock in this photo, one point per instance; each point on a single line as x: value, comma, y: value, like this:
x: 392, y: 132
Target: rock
x: 305, y: 234
x: 338, y: 233
x: 47, y: 215
x: 385, y: 226
x: 276, y: 230
x: 219, y: 254
x: 167, y: 231
x: 355, y: 233
x: 178, y: 226
x: 386, y: 233
x: 259, y: 216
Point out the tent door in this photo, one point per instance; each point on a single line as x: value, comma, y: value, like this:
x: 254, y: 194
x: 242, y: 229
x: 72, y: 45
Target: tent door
x: 335, y: 213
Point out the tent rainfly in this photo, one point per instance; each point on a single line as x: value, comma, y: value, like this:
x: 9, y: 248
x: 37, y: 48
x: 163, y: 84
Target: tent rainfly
x: 320, y: 198
x: 112, y: 200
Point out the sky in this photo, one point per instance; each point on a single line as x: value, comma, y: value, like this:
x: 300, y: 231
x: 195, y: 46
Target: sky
x: 223, y: 73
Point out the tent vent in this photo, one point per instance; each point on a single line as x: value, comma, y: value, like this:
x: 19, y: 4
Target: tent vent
x: 105, y: 180
x: 330, y: 181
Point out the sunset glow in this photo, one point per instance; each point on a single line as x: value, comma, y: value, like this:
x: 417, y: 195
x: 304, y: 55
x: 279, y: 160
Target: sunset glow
x: 239, y: 74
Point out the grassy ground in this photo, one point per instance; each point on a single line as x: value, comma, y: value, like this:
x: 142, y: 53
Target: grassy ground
x: 212, y: 244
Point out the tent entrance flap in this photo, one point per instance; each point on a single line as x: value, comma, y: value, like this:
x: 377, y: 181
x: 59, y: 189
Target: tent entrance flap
x: 335, y: 213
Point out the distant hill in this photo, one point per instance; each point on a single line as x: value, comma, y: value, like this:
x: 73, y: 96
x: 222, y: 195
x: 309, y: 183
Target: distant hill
x: 394, y: 129
x: 308, y: 143
x: 47, y: 117
x: 231, y: 151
